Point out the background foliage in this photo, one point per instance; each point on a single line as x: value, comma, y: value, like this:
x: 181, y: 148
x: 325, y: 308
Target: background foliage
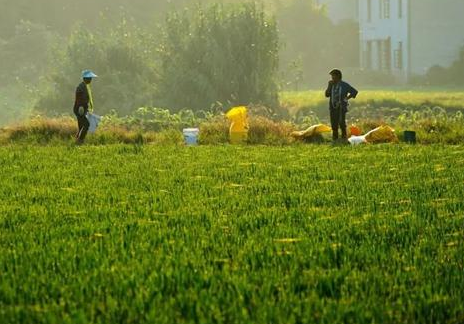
x: 220, y: 54
x: 121, y: 56
x: 145, y: 54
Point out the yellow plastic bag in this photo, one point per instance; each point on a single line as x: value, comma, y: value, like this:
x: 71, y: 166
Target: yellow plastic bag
x: 312, y: 131
x: 238, y: 137
x: 381, y: 134
x: 238, y: 118
x: 239, y: 125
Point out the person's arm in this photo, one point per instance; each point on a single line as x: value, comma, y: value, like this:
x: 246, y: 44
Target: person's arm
x: 328, y: 91
x: 352, y: 93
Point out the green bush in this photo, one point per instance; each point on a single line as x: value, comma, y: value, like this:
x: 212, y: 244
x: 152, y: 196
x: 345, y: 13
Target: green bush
x: 226, y: 54
x: 221, y: 55
x: 122, y: 57
x: 265, y: 131
x: 156, y: 119
x: 214, y: 131
x: 439, y: 76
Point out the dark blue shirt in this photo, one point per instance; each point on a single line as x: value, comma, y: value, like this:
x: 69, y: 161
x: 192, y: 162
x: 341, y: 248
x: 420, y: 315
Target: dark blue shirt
x: 82, y: 98
x: 338, y: 94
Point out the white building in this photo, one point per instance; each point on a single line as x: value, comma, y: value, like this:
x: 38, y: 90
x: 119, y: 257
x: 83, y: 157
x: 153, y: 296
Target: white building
x: 407, y: 37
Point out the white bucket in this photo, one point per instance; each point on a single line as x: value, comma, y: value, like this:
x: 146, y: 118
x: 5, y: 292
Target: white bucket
x: 191, y: 136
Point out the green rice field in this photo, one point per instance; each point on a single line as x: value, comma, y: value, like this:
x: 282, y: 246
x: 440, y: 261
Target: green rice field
x: 231, y: 234
x: 377, y: 98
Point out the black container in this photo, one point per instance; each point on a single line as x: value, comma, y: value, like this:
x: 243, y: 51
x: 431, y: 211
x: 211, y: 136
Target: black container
x: 410, y: 137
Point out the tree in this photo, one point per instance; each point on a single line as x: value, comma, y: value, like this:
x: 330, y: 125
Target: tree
x: 121, y: 56
x: 222, y: 53
x: 309, y: 37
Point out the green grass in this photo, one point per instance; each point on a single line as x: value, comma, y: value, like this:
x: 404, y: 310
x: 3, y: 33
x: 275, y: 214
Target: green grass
x: 415, y: 99
x: 302, y: 234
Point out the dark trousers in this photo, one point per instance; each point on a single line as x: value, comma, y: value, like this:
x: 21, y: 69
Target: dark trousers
x: 83, y: 127
x: 338, y: 120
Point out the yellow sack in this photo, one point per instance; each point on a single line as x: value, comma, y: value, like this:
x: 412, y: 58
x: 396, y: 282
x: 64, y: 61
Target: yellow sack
x: 381, y: 134
x: 239, y: 125
x: 238, y: 137
x: 312, y: 131
x: 238, y: 118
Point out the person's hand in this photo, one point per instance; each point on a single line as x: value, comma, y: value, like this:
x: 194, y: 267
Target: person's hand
x: 331, y: 83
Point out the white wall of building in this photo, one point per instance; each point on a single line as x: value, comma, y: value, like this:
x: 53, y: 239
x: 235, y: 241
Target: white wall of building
x: 430, y: 32
x: 385, y: 28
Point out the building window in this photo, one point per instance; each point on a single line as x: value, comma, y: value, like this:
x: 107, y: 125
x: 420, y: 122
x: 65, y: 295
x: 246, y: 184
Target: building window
x: 385, y: 60
x: 369, y: 10
x: 400, y: 9
x: 368, y: 56
x: 386, y: 9
x: 399, y: 56
x: 379, y: 63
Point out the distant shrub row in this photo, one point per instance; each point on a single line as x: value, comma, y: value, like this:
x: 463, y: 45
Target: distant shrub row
x: 159, y: 126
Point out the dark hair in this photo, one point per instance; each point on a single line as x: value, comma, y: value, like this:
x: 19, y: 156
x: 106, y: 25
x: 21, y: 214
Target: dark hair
x: 336, y: 72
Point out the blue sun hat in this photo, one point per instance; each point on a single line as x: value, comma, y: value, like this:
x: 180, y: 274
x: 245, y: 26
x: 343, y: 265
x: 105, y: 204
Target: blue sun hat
x: 89, y: 74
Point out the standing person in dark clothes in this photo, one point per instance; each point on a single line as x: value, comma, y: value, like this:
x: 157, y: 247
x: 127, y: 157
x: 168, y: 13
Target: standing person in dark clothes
x: 339, y: 93
x: 83, y: 103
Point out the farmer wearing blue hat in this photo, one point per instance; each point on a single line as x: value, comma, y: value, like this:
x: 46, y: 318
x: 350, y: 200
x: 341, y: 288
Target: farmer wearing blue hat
x: 82, y: 105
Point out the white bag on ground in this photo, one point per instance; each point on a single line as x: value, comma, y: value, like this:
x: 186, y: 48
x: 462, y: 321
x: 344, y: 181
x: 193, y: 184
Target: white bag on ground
x: 382, y: 134
x: 356, y: 140
x: 94, y: 120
